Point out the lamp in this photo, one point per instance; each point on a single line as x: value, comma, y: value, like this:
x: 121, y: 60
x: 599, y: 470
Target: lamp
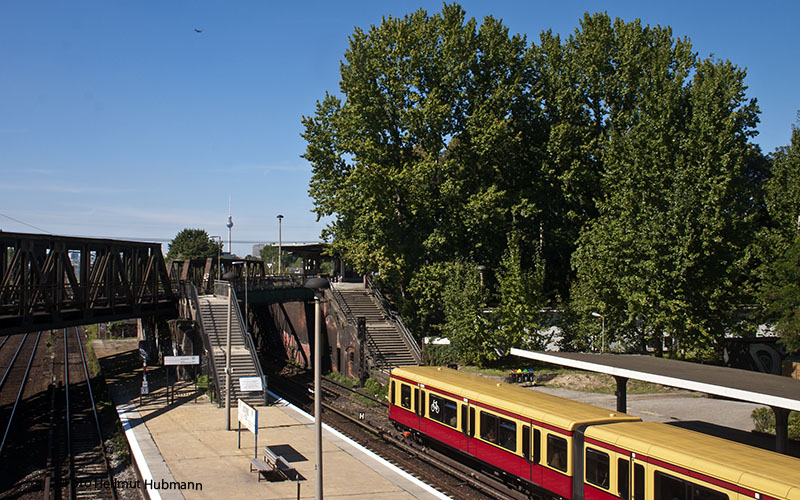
x: 318, y: 284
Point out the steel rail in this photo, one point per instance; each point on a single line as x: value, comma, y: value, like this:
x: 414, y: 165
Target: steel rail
x: 96, y: 418
x: 21, y: 390
x: 13, y: 360
x: 71, y: 465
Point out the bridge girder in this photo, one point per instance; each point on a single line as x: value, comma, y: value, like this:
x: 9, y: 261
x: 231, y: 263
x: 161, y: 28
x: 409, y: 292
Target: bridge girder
x: 49, y: 282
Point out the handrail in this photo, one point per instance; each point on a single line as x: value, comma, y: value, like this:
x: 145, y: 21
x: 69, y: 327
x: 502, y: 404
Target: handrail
x: 248, y: 340
x: 337, y: 295
x: 393, y: 316
x: 194, y: 307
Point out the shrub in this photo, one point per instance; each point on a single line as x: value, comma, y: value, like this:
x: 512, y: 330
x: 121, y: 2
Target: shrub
x: 764, y: 421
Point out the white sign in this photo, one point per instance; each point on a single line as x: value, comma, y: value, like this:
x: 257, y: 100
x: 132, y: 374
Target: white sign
x: 248, y: 416
x: 181, y: 360
x: 250, y: 384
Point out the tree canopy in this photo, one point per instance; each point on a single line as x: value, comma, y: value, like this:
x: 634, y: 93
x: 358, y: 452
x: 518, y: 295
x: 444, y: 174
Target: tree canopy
x: 192, y: 244
x: 608, y: 172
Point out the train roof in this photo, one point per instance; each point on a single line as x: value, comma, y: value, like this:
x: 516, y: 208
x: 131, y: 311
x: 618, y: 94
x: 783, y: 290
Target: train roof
x: 553, y: 410
x: 762, y: 471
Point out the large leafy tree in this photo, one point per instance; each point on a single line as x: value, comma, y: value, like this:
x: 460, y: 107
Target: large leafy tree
x: 427, y: 156
x: 780, y: 244
x: 192, y: 244
x: 666, y: 252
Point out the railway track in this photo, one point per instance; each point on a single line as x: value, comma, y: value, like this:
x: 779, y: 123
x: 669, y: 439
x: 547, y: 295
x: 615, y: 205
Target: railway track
x: 84, y: 461
x: 364, y: 419
x: 52, y: 445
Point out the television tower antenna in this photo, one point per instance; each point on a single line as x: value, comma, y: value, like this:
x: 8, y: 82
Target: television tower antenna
x: 229, y: 224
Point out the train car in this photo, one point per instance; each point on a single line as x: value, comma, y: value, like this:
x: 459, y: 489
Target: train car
x: 655, y: 461
x: 526, y: 434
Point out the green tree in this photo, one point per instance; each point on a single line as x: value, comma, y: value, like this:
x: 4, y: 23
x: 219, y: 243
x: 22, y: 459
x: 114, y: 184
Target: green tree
x: 269, y: 254
x: 667, y: 251
x: 519, y: 316
x: 466, y: 323
x: 780, y: 244
x: 192, y: 244
x: 429, y: 150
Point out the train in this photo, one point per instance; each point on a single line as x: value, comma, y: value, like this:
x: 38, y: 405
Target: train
x: 563, y: 449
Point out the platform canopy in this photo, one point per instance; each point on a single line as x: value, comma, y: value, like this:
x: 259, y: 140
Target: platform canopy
x: 780, y: 393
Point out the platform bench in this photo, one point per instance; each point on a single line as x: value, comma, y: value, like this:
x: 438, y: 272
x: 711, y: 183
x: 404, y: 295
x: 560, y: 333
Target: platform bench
x: 279, y: 464
x: 262, y: 467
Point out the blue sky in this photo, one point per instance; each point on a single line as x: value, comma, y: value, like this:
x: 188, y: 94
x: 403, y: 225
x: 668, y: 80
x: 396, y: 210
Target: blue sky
x: 118, y: 120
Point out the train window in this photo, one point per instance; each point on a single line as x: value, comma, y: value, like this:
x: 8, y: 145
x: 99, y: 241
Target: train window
x: 638, y: 482
x: 417, y: 407
x: 557, y: 452
x: 669, y: 488
x: 422, y: 405
x: 507, y: 434
x: 623, y: 478
x: 464, y: 419
x: 597, y: 469
x: 672, y: 488
x: 537, y: 446
x: 703, y: 493
x: 443, y: 410
x: 405, y: 396
x: 391, y: 392
x: 488, y: 427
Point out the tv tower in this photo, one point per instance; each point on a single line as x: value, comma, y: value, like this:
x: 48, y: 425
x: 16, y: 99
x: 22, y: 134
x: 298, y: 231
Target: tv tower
x: 229, y: 224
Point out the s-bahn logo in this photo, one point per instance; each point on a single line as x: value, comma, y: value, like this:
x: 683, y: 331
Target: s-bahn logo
x: 435, y: 407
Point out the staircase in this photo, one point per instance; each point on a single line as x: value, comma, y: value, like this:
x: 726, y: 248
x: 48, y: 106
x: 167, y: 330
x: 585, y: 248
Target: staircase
x: 213, y: 312
x: 384, y: 342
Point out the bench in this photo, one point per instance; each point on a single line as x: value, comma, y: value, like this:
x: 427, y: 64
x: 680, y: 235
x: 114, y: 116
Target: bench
x: 262, y: 467
x: 279, y: 464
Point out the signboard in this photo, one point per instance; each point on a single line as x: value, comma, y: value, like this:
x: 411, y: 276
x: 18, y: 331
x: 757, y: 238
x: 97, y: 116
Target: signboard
x: 250, y: 384
x: 248, y: 416
x: 145, y: 388
x: 181, y: 360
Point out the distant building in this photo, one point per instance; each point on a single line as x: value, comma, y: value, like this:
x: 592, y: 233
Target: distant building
x: 257, y: 249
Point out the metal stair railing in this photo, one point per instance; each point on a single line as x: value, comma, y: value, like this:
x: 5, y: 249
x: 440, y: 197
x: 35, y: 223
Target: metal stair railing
x: 342, y: 303
x: 190, y: 291
x: 378, y: 358
x: 248, y: 338
x: 395, y: 318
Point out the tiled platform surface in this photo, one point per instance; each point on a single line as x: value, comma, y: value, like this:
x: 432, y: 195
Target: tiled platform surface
x: 186, y: 444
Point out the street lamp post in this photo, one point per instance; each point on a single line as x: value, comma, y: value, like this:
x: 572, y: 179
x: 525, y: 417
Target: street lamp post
x: 228, y: 277
x: 603, y: 334
x: 219, y: 255
x: 318, y: 284
x: 280, y: 243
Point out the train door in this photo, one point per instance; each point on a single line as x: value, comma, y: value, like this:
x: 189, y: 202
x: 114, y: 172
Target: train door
x: 639, y: 484
x: 527, y: 452
x: 419, y: 404
x: 623, y: 478
x: 536, y: 456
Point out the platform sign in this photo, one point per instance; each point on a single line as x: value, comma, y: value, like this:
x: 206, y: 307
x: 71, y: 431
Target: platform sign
x: 250, y: 384
x: 249, y: 417
x: 181, y: 360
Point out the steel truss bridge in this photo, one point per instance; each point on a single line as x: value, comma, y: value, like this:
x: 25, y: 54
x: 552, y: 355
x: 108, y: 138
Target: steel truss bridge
x: 49, y: 282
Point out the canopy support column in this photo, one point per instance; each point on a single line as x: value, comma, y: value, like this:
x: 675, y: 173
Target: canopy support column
x: 622, y: 394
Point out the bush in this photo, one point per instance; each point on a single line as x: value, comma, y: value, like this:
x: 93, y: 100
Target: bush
x: 764, y: 421
x: 440, y: 354
x: 375, y: 388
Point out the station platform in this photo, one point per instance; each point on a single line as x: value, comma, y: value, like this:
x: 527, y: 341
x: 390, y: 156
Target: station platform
x: 183, y: 451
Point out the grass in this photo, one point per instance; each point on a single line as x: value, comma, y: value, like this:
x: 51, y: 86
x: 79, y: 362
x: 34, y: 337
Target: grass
x: 575, y: 380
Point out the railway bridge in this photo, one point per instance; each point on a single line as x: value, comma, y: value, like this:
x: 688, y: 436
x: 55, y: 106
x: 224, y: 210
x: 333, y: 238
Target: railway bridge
x: 49, y: 282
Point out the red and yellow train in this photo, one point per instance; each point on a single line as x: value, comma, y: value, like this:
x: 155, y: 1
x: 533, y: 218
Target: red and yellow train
x: 576, y: 451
